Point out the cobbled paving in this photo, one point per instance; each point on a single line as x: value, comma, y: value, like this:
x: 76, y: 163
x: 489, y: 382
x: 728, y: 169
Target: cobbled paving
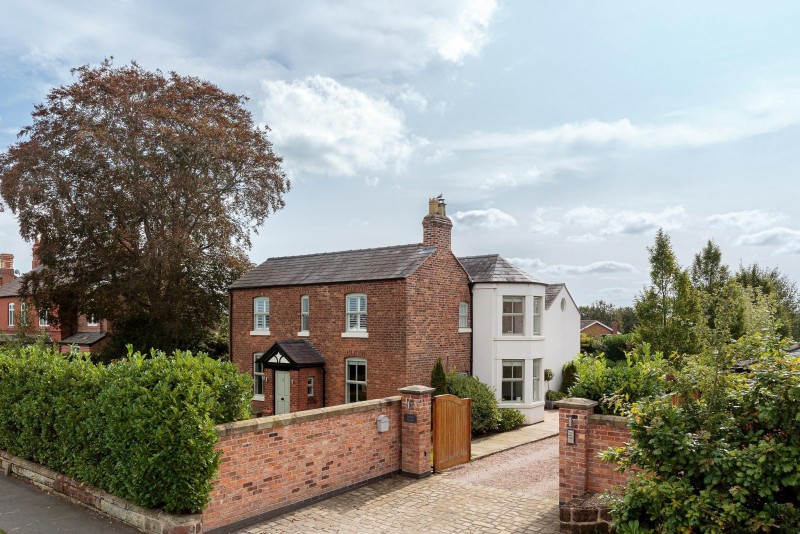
x: 447, y: 503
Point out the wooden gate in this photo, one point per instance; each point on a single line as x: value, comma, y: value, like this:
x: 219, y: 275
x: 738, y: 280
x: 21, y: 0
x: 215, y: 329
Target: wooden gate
x: 452, y: 431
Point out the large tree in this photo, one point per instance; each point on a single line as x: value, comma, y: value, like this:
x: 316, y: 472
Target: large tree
x: 770, y: 281
x: 142, y: 189
x: 669, y: 310
x: 606, y: 313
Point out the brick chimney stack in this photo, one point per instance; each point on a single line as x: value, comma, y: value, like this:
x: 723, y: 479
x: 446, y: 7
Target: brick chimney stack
x: 614, y: 327
x: 436, y: 226
x: 6, y: 268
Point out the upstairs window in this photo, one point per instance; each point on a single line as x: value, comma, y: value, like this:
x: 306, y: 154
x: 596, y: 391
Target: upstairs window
x: 44, y: 318
x: 513, y: 316
x: 11, y: 314
x: 261, y: 313
x: 304, y: 313
x: 463, y: 315
x: 356, y: 312
x: 537, y: 316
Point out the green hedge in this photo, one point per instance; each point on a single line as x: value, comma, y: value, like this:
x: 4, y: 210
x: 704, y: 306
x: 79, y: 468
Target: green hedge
x: 141, y: 428
x: 510, y: 419
x: 485, y: 413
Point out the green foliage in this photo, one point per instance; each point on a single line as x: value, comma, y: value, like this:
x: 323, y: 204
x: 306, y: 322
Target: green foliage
x: 669, y: 310
x: 615, y: 386
x: 548, y: 375
x: 439, y: 378
x: 141, y: 428
x: 555, y: 395
x: 569, y: 375
x: 607, y: 313
x: 510, y: 419
x: 773, y: 282
x: 726, y: 460
x: 485, y: 412
x: 616, y: 346
x: 589, y: 344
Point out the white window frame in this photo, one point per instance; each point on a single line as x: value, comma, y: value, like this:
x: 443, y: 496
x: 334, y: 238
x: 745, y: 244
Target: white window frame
x: 91, y: 321
x: 511, y: 315
x: 357, y: 313
x: 463, y: 317
x: 44, y: 320
x: 536, y: 364
x: 258, y: 375
x: 304, y: 308
x: 310, y: 386
x: 10, y: 314
x: 512, y: 364
x: 23, y: 310
x: 260, y: 316
x: 538, y: 303
x: 360, y: 384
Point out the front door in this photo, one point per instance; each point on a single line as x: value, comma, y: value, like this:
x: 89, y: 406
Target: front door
x: 282, y: 383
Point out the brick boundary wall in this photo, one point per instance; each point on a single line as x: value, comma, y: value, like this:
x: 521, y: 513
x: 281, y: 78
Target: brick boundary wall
x: 272, y: 465
x: 146, y: 520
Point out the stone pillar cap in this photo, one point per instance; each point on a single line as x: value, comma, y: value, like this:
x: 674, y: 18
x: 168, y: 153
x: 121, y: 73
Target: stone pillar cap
x: 416, y: 390
x: 577, y: 403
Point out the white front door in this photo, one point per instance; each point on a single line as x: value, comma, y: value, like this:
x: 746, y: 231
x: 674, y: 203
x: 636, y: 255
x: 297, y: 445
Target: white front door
x: 282, y: 383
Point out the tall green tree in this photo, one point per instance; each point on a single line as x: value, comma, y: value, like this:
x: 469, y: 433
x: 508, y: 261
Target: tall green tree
x: 142, y: 188
x: 722, y: 299
x: 669, y: 310
x: 606, y: 313
x: 773, y: 282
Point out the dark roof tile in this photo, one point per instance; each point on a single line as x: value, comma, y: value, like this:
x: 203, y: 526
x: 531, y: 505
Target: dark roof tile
x: 83, y: 338
x: 550, y: 294
x: 493, y: 268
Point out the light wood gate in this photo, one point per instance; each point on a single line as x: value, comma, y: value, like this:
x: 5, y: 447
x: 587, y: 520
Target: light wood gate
x: 452, y: 431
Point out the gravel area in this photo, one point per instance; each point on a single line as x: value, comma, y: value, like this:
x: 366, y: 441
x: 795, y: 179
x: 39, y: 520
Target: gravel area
x: 530, y: 470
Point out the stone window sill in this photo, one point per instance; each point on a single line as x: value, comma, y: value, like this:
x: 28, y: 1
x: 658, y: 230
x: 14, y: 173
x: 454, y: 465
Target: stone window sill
x: 464, y: 330
x: 303, y: 333
x: 259, y: 332
x: 362, y: 335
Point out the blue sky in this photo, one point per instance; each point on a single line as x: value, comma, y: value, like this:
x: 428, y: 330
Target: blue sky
x: 562, y: 134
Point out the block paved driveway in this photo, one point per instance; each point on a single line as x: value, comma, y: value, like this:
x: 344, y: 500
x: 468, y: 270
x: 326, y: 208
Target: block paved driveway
x: 513, y: 491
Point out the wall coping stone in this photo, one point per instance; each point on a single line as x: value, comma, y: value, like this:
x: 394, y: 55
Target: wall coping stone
x: 295, y: 418
x: 615, y: 421
x: 576, y: 403
x: 416, y: 390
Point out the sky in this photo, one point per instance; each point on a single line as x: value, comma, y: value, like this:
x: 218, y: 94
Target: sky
x: 561, y: 134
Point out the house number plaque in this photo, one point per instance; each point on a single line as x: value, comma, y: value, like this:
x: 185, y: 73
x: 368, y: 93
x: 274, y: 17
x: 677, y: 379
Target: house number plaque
x: 571, y: 436
x: 410, y: 418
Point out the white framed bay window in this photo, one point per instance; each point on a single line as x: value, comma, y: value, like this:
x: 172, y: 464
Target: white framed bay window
x: 513, y: 381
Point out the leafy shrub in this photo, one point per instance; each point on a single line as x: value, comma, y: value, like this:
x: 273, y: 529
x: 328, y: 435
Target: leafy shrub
x: 548, y: 376
x: 616, y: 346
x: 615, y: 386
x: 568, y: 376
x: 555, y: 395
x: 510, y: 419
x: 438, y: 378
x: 726, y: 466
x: 141, y: 428
x: 485, y: 412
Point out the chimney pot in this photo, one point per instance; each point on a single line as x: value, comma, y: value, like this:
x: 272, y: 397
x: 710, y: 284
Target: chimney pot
x: 436, y: 226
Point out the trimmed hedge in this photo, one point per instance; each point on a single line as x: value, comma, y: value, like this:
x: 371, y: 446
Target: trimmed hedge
x: 141, y: 428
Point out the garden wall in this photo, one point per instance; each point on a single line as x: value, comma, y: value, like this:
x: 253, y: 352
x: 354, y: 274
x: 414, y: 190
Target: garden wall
x: 272, y: 465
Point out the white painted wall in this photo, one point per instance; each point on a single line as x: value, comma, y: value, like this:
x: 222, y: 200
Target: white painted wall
x: 563, y: 335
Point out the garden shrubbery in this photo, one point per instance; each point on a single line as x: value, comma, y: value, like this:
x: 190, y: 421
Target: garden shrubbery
x: 141, y: 428
x: 510, y: 419
x: 485, y: 412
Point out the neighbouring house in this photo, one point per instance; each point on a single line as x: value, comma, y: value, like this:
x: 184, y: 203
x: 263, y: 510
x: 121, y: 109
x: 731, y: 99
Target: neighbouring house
x: 518, y: 332
x: 88, y: 335
x: 596, y: 329
x: 340, y: 327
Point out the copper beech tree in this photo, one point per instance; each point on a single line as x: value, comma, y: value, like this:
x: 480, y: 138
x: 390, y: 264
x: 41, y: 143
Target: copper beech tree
x: 143, y: 189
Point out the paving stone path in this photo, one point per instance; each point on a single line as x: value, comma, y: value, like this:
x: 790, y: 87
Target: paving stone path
x: 479, y: 497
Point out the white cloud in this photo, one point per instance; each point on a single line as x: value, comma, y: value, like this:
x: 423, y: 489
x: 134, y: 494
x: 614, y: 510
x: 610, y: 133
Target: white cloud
x: 325, y: 127
x: 584, y: 238
x: 410, y: 97
x: 640, y: 222
x: 745, y: 220
x: 542, y: 226
x: 491, y: 218
x: 606, y: 267
x: 786, y: 240
x: 585, y: 216
x: 464, y: 34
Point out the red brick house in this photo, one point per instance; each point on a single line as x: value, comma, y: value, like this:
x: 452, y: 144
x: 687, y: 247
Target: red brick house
x: 596, y: 329
x: 331, y: 328
x: 16, y: 315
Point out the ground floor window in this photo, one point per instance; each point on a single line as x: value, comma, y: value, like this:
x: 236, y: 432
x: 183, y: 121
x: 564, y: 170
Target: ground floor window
x: 310, y: 386
x: 356, y: 380
x: 513, y: 381
x: 258, y: 377
x: 537, y: 381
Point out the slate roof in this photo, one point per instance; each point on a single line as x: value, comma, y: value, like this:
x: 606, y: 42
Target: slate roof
x: 386, y: 263
x: 551, y: 291
x: 300, y: 351
x: 12, y: 288
x: 493, y: 268
x: 83, y: 338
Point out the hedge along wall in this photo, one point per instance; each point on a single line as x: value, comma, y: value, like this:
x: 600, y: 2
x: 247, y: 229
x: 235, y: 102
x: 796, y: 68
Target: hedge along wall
x: 142, y: 428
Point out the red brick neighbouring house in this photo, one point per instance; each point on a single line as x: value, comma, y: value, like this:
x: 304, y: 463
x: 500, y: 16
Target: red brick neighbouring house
x: 17, y: 315
x: 597, y: 329
x: 337, y: 327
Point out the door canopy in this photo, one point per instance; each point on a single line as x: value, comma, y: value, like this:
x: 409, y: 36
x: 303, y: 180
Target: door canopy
x: 292, y: 354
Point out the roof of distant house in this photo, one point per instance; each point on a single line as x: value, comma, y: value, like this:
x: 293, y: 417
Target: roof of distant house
x: 385, y: 263
x: 586, y: 323
x: 83, y: 338
x: 12, y: 288
x: 494, y: 268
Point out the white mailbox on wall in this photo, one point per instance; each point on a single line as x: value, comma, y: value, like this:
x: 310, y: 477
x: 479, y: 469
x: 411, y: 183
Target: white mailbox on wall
x: 383, y: 423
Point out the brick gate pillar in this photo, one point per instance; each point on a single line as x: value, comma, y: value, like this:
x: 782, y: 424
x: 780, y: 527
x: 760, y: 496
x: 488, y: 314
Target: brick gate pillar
x: 573, y: 447
x: 415, y: 430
